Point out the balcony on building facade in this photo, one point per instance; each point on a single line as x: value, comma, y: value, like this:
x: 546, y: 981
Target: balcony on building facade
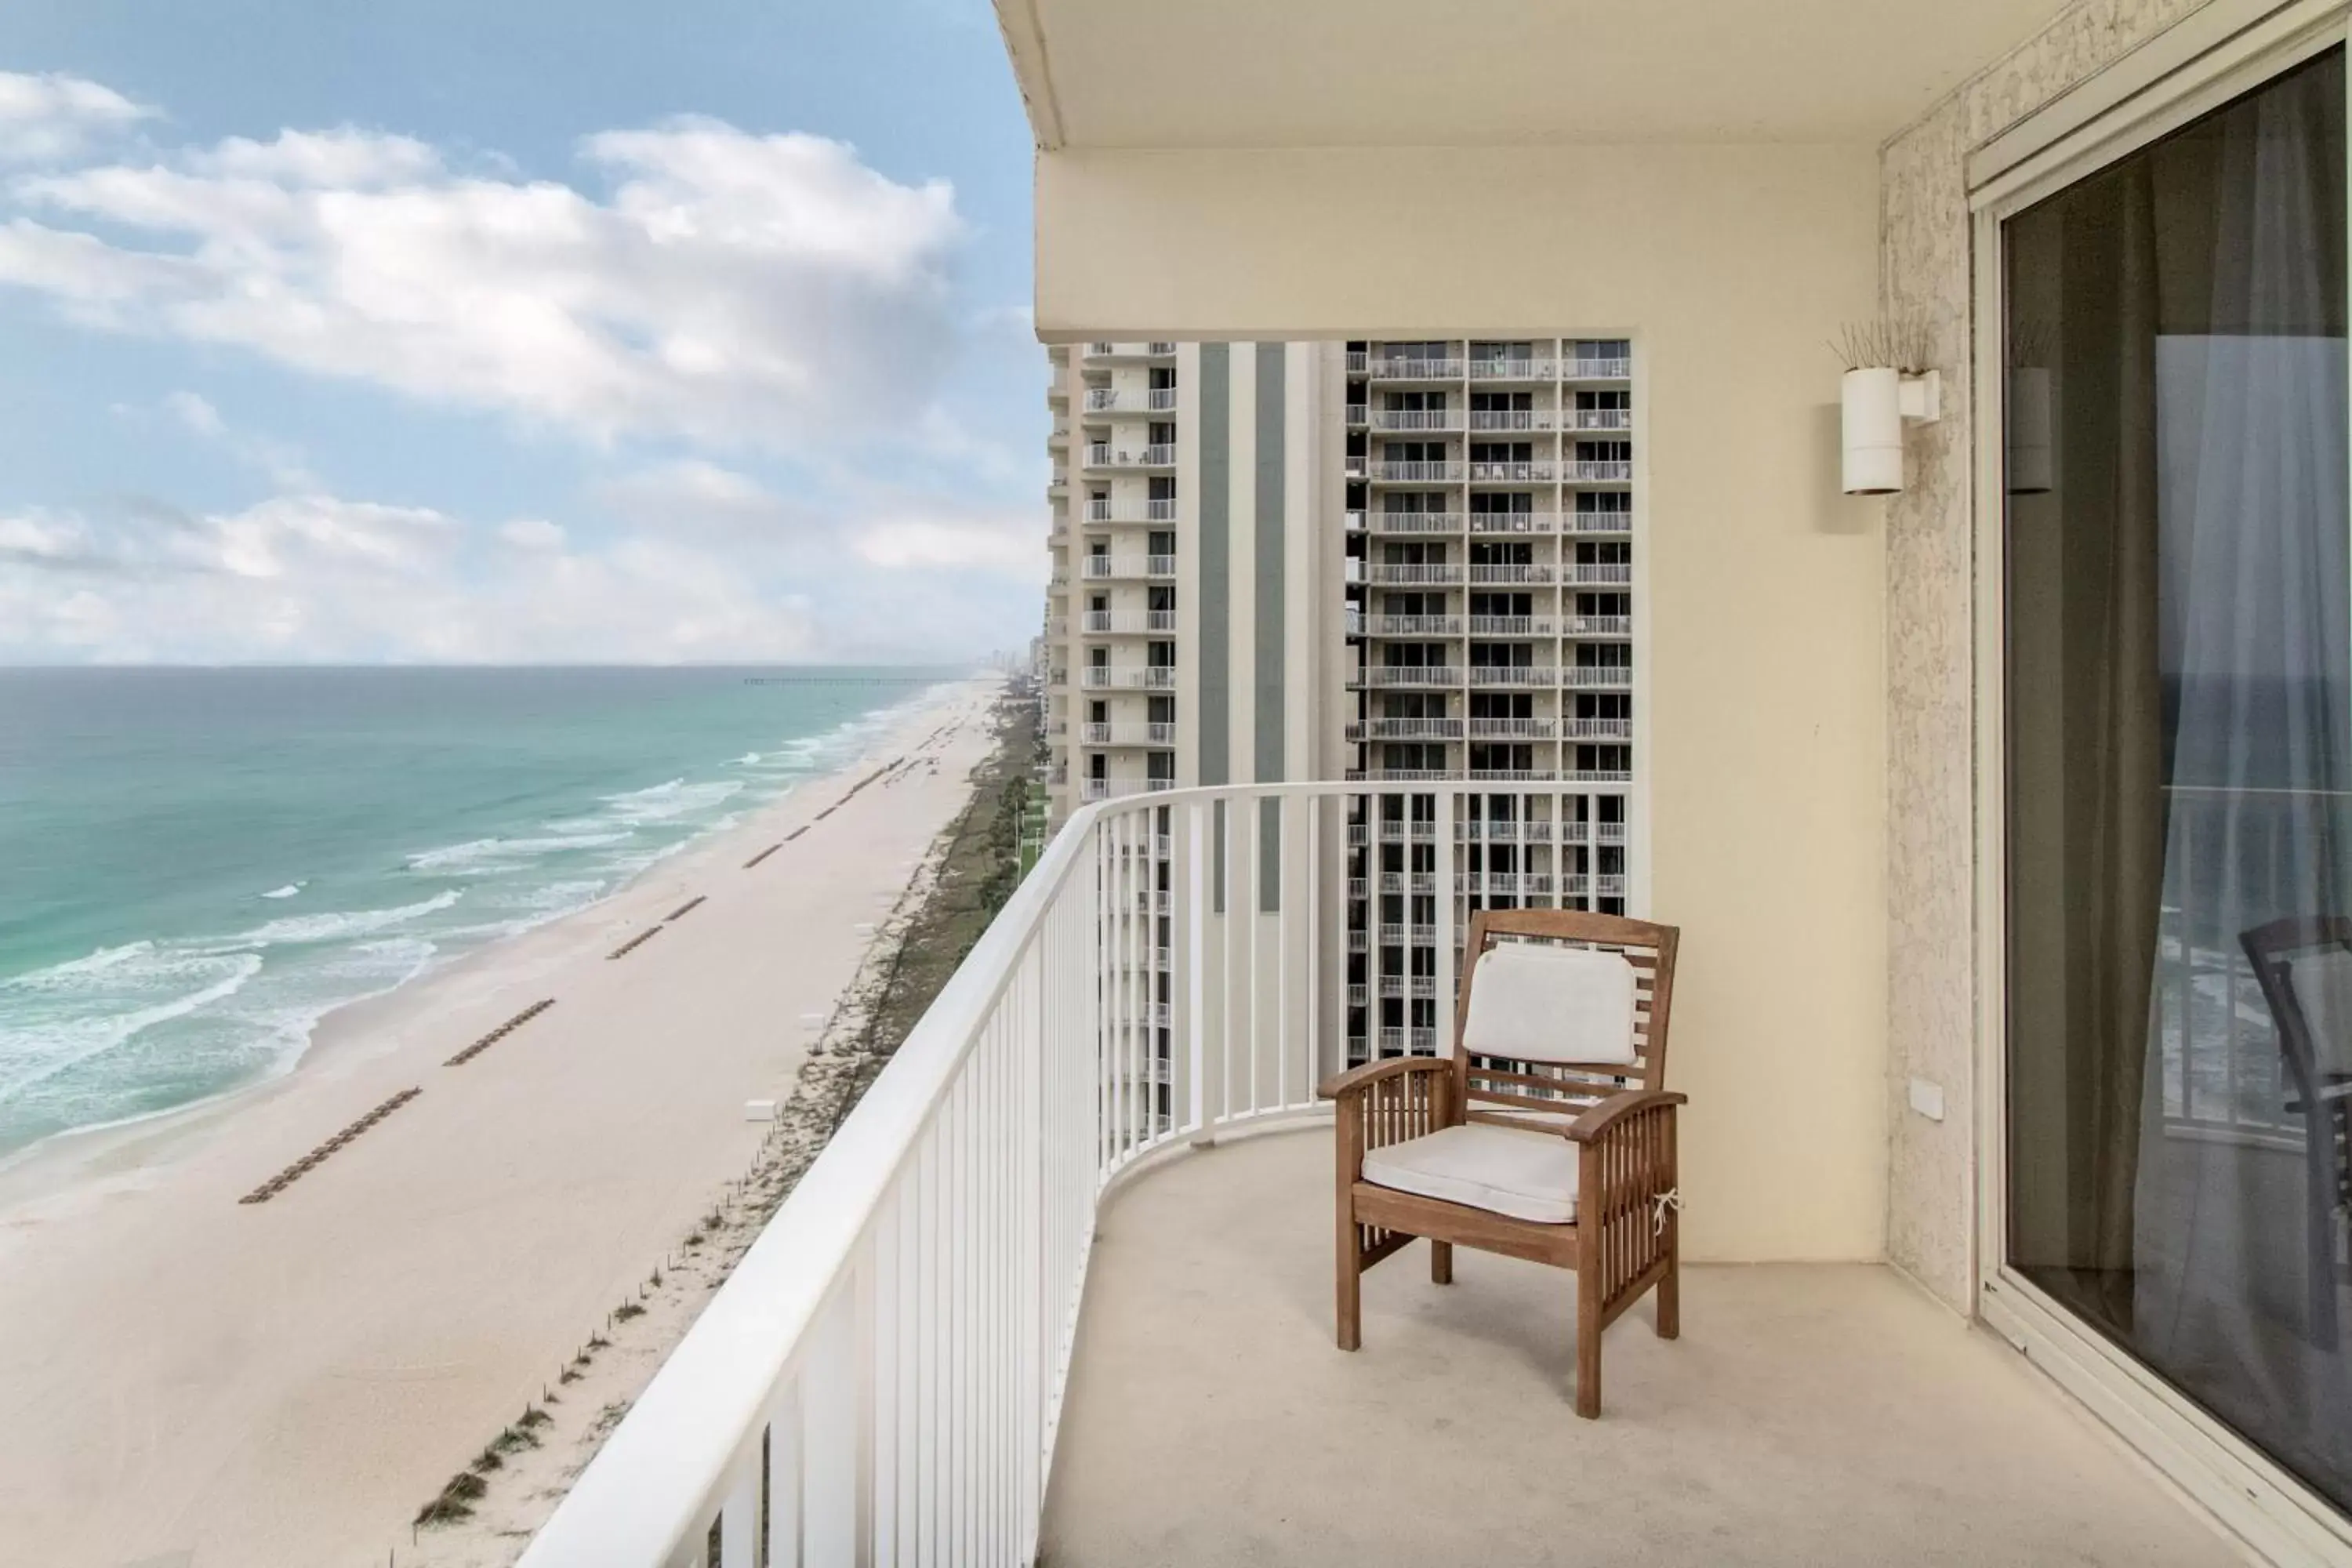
x: 1414, y: 367
x: 1599, y: 626
x: 1415, y: 472
x: 1597, y: 677
x: 1401, y: 776
x: 1409, y: 420
x: 1109, y: 458
x: 1531, y: 419
x: 1609, y: 369
x: 1512, y: 729
x: 1131, y: 678
x: 1143, y: 512
x: 1122, y: 623
x: 1405, y: 522
x: 1411, y: 572
x: 1602, y: 521
x: 1596, y: 729
x: 1101, y: 567
x: 1128, y: 734
x: 1514, y: 521
x: 1405, y: 730
x: 1092, y: 789
x: 1128, y: 400
x: 1513, y: 627
x: 1506, y: 572
x: 1413, y: 626
x: 1536, y: 674
x: 1535, y: 471
x: 1600, y: 419
x: 1406, y: 675
x: 1594, y: 472
x: 1596, y: 574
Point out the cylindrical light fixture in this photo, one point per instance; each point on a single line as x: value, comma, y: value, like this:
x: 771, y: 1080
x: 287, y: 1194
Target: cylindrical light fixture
x: 1874, y: 431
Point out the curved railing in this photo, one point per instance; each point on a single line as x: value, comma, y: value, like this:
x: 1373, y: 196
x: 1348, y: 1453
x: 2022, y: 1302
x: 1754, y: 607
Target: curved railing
x: 881, y: 1377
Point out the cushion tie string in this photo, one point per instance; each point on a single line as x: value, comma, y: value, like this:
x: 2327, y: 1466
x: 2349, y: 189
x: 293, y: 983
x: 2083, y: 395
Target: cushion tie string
x: 1672, y: 1199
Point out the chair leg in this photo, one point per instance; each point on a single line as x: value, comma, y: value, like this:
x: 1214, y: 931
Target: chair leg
x: 1588, y: 1343
x: 1350, y: 1259
x: 1440, y: 1263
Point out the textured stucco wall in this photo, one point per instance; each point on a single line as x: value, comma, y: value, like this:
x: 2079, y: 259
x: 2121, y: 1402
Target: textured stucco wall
x: 1925, y: 267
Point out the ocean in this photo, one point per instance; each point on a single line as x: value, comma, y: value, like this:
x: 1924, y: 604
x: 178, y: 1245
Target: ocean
x: 197, y: 865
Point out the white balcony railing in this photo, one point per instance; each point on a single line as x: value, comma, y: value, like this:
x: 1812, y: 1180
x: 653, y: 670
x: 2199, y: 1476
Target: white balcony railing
x: 1512, y: 729
x: 1413, y: 626
x: 1416, y: 419
x: 1128, y: 734
x: 1601, y: 419
x: 1589, y: 472
x: 1601, y: 625
x: 1512, y: 572
x: 1602, y: 522
x: 1409, y: 675
x: 1514, y: 521
x: 1129, y: 400
x: 1514, y: 418
x: 1512, y: 625
x: 1405, y: 730
x: 1411, y: 572
x: 881, y: 1379
x: 1132, y: 678
x: 1597, y: 677
x: 1528, y: 472
x: 1512, y: 368
x: 1160, y: 455
x: 1138, y: 622
x: 1101, y: 566
x: 1599, y: 369
x: 1103, y: 510
x: 1415, y: 522
x: 1410, y: 367
x: 1417, y: 473
x: 1596, y: 574
x: 1515, y: 674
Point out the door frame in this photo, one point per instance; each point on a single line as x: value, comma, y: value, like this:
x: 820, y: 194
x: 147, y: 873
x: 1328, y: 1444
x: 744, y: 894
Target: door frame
x: 2227, y: 48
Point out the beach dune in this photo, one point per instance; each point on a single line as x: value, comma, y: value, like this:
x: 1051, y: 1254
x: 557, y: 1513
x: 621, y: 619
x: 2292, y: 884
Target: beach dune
x: 195, y: 1381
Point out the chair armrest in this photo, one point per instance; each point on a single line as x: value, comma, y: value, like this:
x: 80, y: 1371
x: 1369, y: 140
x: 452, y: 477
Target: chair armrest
x: 1340, y: 1085
x: 1608, y: 1113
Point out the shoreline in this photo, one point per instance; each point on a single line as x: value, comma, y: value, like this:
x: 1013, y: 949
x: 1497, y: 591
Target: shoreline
x: 286, y: 1381
x: 60, y: 1158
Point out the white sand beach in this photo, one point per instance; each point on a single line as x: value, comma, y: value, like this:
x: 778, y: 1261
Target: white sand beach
x: 195, y: 1382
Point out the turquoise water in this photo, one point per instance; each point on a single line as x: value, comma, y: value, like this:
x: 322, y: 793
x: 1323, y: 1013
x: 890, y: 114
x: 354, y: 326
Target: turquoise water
x: 195, y: 864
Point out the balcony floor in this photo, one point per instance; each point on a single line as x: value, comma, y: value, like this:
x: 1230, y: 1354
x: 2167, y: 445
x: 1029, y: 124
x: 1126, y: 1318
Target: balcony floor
x: 1810, y: 1414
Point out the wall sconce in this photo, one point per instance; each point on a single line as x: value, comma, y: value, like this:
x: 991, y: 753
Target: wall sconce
x: 1880, y: 397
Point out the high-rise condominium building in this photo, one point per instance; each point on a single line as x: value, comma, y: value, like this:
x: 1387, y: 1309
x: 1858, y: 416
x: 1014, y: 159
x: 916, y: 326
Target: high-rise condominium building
x: 1398, y: 562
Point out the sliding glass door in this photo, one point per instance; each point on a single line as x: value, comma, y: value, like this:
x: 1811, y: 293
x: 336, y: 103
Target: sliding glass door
x: 2179, y: 706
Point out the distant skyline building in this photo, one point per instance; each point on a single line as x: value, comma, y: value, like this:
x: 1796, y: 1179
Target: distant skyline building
x: 1405, y: 561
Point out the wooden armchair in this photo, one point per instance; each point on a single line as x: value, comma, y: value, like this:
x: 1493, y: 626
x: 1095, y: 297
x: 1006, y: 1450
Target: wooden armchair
x: 1532, y: 1154
x: 2304, y: 965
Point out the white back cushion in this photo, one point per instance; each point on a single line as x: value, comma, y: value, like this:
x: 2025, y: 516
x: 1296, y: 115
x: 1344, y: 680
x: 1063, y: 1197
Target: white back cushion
x: 2322, y: 983
x: 1535, y: 1002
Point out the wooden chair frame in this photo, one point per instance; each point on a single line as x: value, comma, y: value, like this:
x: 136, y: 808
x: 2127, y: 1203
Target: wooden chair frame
x: 1625, y: 1237
x: 2325, y: 1099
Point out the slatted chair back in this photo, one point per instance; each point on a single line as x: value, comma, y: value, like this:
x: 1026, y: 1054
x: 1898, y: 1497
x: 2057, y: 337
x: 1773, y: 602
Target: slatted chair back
x: 1520, y: 1092
x: 2272, y: 949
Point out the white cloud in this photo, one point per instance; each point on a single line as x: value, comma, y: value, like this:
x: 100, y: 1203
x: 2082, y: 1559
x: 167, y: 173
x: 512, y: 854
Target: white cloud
x: 194, y: 412
x: 730, y: 289
x: 1010, y: 543
x: 532, y: 534
x: 49, y: 118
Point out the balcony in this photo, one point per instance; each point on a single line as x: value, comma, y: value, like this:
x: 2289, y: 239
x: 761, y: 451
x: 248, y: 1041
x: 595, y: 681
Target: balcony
x: 1600, y: 419
x: 1406, y: 730
x: 1599, y: 626
x: 1412, y: 573
x: 1113, y: 459
x: 1584, y: 472
x: 1541, y: 471
x: 1602, y: 522
x: 1513, y: 369
x: 1596, y: 574
x: 1118, y: 789
x: 1415, y: 473
x: 1145, y: 511
x: 1522, y: 522
x: 1138, y: 623
x: 1512, y: 572
x: 1409, y: 367
x: 1409, y: 521
x: 1597, y: 677
x: 1537, y: 675
x: 1514, y: 419
x: 1102, y: 567
x: 1413, y: 626
x: 1128, y: 734
x: 1393, y: 675
x: 1598, y: 370
x: 1409, y: 420
x: 1131, y: 677
x: 1596, y: 729
x: 1115, y: 400
x: 1512, y: 729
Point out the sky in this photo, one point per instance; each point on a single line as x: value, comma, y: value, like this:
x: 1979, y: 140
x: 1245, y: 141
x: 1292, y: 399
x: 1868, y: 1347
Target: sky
x: 454, y: 331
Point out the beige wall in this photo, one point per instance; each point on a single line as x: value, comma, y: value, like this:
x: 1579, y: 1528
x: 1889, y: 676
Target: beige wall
x: 1930, y: 562
x: 1730, y: 267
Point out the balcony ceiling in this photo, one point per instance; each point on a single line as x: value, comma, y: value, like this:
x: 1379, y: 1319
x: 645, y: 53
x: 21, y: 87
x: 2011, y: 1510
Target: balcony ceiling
x: 1369, y: 73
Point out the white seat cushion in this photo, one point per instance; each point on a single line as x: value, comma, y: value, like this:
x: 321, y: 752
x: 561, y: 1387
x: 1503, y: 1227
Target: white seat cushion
x: 1503, y: 1170
x: 1535, y: 1002
x: 2321, y: 983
